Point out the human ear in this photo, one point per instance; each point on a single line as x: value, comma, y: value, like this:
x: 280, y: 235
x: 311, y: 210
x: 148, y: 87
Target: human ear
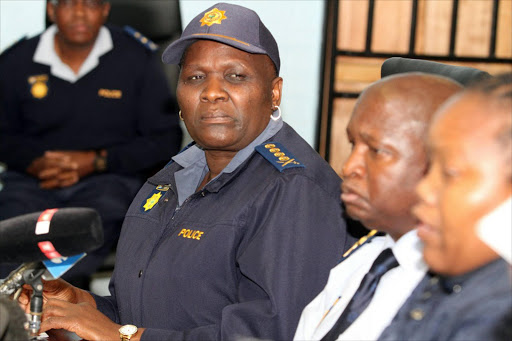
x: 277, y: 89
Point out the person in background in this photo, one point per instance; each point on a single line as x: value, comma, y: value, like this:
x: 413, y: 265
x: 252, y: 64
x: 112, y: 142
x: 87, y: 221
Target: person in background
x: 467, y: 293
x: 233, y: 237
x: 85, y: 116
x: 387, y: 132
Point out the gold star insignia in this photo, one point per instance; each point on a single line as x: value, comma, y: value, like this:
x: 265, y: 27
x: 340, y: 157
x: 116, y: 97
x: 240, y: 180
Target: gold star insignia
x: 215, y: 16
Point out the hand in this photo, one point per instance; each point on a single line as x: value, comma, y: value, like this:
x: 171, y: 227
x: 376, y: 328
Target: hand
x: 82, y: 319
x: 56, y: 289
x: 57, y: 169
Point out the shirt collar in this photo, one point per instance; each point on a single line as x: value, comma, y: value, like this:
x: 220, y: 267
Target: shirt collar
x: 408, y: 251
x: 45, y: 54
x: 194, y: 165
x: 195, y: 153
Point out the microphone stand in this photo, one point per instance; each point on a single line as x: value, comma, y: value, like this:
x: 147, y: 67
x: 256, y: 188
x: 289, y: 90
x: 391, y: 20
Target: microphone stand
x: 33, y: 278
x: 31, y: 274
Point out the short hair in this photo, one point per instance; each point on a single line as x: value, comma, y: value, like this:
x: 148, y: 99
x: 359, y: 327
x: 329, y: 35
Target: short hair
x: 497, y: 93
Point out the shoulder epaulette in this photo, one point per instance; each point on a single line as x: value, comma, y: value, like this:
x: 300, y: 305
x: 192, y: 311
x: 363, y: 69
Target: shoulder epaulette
x: 13, y: 45
x: 140, y: 38
x: 360, y: 242
x: 278, y: 156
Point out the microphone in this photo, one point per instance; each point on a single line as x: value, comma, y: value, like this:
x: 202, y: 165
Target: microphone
x: 50, y: 234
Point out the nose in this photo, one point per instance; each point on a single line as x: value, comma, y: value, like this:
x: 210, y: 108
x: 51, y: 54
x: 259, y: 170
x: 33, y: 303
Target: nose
x: 214, y: 90
x: 354, y: 166
x: 426, y: 187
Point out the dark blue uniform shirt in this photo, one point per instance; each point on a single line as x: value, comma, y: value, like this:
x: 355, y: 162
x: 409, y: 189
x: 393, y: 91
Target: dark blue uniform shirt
x: 239, y: 258
x: 123, y: 104
x: 466, y: 307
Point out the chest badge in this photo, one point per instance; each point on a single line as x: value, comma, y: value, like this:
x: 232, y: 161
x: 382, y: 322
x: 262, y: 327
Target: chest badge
x: 39, y: 87
x: 152, y: 201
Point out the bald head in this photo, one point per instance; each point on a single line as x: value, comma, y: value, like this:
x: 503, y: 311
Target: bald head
x: 410, y: 98
x: 387, y: 130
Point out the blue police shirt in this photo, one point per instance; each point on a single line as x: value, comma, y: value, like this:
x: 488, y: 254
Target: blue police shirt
x: 239, y: 258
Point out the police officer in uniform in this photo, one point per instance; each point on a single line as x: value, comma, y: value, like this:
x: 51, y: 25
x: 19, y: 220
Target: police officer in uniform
x: 234, y: 236
x: 85, y: 116
x: 387, y: 132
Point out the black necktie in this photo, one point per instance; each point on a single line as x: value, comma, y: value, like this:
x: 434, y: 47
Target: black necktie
x: 384, y: 262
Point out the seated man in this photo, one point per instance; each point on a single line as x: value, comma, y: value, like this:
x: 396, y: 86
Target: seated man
x: 387, y: 131
x: 467, y: 294
x: 85, y: 113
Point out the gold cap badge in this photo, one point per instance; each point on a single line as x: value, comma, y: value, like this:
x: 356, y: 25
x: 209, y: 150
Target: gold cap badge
x: 215, y: 16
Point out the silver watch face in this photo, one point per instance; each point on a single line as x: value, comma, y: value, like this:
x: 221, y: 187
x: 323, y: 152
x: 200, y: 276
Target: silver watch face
x: 128, y: 329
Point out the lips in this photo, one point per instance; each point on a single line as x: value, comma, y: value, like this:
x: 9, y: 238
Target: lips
x: 349, y: 195
x: 216, y: 117
x: 426, y: 228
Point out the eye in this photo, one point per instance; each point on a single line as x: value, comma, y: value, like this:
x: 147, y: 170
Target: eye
x: 450, y: 173
x: 236, y: 76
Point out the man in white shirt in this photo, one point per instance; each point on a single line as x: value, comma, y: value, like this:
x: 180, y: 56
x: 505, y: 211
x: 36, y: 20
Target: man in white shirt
x: 387, y: 132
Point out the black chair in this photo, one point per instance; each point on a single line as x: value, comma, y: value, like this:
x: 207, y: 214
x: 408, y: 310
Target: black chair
x: 158, y: 20
x: 462, y: 74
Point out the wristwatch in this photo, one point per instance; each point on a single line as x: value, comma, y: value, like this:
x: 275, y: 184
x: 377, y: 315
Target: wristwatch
x: 127, y: 331
x: 100, y: 161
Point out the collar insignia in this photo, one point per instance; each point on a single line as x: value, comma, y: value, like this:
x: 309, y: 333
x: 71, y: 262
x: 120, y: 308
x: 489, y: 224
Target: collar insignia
x: 215, y: 16
x: 152, y: 200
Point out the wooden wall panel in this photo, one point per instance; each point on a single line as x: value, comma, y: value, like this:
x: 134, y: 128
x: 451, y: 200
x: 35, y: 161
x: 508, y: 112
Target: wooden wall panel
x: 354, y: 68
x: 392, y: 21
x: 353, y: 16
x: 353, y: 74
x: 340, y: 148
x: 433, y: 30
x: 474, y: 28
x: 504, y: 29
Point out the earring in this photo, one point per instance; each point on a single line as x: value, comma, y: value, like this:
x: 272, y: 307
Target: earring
x: 181, y: 117
x: 275, y: 118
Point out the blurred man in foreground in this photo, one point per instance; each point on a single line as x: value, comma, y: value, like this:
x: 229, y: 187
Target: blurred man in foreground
x: 468, y: 291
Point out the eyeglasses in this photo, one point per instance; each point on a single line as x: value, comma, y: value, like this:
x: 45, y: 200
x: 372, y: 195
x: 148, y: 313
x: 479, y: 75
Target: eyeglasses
x: 92, y: 4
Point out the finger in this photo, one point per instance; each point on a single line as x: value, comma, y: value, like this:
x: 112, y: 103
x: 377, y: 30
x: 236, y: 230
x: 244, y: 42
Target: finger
x: 49, y: 173
x: 71, y: 178
x: 49, y: 184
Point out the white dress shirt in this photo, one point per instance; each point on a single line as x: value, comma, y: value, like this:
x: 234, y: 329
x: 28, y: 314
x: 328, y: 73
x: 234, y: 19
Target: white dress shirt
x: 394, y: 287
x: 45, y: 54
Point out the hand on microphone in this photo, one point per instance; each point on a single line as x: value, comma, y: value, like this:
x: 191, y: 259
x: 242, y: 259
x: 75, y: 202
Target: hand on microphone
x: 73, y: 309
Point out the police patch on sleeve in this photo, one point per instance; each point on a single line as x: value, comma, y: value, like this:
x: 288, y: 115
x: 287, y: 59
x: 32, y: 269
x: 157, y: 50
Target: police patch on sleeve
x: 278, y: 156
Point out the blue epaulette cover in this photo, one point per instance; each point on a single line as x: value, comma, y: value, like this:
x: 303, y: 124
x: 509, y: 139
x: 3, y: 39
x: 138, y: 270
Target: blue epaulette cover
x: 278, y: 156
x: 140, y: 38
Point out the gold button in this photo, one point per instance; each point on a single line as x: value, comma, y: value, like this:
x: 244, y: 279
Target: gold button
x: 284, y: 158
x: 270, y: 145
x: 279, y: 154
x: 275, y: 150
x: 457, y: 288
x: 417, y: 314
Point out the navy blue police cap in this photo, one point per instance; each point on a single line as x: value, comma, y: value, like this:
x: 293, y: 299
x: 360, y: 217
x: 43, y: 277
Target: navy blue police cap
x: 229, y: 24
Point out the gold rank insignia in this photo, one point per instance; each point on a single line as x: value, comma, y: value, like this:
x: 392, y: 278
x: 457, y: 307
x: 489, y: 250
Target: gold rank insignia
x: 152, y: 201
x: 215, y: 16
x: 278, y: 156
x: 39, y: 87
x: 360, y: 242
